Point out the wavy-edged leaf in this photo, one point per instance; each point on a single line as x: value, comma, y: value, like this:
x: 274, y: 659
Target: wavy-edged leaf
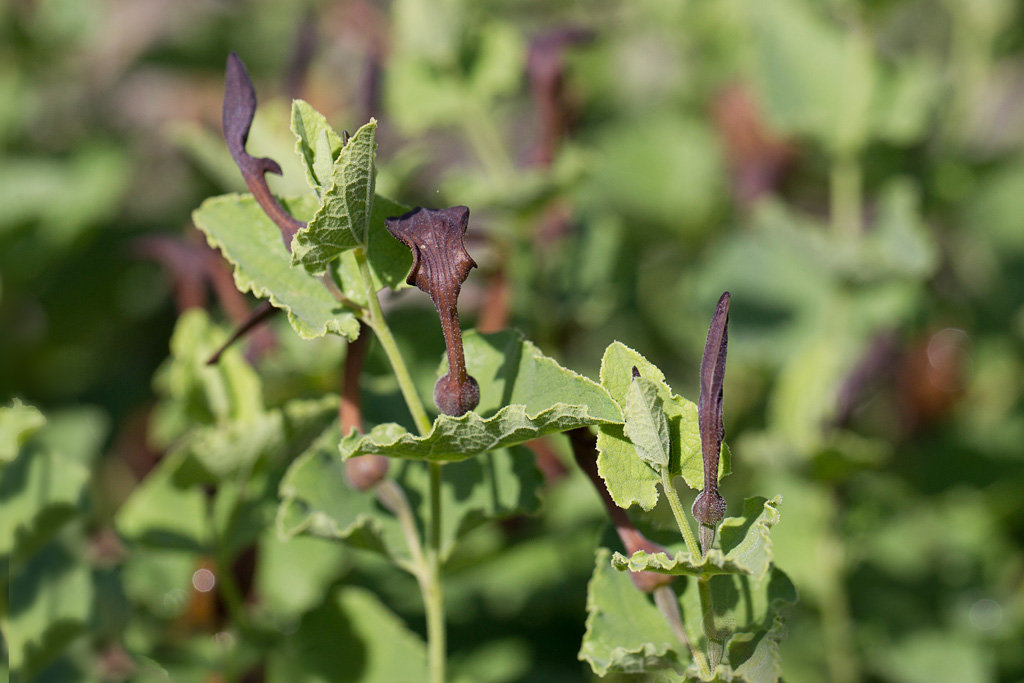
x: 316, y: 500
x: 235, y: 224
x: 343, y: 220
x: 523, y: 394
x: 316, y: 143
x: 629, y: 479
x: 625, y: 631
x: 17, y: 422
x: 456, y: 438
x: 745, y: 547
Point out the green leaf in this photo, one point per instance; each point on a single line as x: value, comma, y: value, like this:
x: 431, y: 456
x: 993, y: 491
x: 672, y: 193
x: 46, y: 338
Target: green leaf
x: 40, y: 491
x: 646, y: 424
x: 251, y: 242
x: 17, y: 423
x: 625, y: 631
x: 293, y: 574
x: 746, y: 547
x: 317, y: 500
x: 50, y: 600
x: 316, y: 143
x: 456, y: 438
x: 351, y: 637
x: 539, y: 397
x: 215, y: 452
x: 343, y: 220
x: 496, y: 485
x: 629, y: 478
x: 162, y: 514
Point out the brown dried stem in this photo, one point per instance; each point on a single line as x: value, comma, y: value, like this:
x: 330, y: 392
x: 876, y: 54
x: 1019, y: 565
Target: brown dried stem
x: 584, y: 449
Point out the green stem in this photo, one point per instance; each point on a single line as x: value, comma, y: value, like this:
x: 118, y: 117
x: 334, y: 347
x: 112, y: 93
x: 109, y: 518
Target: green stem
x: 716, y: 641
x: 845, y: 191
x: 387, y: 341
x: 680, y: 514
x: 429, y: 570
x: 434, y: 590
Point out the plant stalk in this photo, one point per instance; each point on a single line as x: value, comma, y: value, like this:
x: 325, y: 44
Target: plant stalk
x: 387, y: 341
x: 680, y: 514
x: 433, y: 595
x: 716, y: 641
x: 429, y: 572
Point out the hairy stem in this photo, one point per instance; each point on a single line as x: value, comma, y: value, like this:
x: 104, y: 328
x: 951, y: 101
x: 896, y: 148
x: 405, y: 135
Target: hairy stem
x: 429, y: 573
x: 680, y: 514
x: 716, y: 640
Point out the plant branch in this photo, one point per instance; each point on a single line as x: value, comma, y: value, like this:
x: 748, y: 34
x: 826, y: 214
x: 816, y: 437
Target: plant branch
x: 679, y: 513
x: 387, y: 341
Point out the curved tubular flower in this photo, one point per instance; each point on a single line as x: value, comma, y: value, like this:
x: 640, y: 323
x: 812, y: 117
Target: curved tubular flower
x: 236, y: 118
x: 440, y: 264
x: 709, y: 507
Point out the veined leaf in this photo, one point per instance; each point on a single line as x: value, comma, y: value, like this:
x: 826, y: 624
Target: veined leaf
x: 646, y: 425
x: 629, y: 478
x: 458, y: 438
x: 316, y: 143
x: 318, y: 501
x: 343, y: 220
x: 539, y: 397
x: 625, y: 631
x: 746, y: 547
x: 251, y: 242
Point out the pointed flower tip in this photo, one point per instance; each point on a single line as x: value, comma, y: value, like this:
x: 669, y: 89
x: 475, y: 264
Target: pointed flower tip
x: 636, y: 373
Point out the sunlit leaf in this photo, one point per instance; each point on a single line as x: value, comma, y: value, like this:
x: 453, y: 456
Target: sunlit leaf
x: 251, y: 242
x: 316, y: 143
x: 343, y: 220
x: 745, y: 547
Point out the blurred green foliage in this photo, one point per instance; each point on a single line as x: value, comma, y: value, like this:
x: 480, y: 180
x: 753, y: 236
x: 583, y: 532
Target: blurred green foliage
x: 849, y: 170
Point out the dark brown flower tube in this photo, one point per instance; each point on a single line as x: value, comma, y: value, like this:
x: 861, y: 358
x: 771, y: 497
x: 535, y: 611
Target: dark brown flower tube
x: 440, y: 264
x: 709, y: 507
